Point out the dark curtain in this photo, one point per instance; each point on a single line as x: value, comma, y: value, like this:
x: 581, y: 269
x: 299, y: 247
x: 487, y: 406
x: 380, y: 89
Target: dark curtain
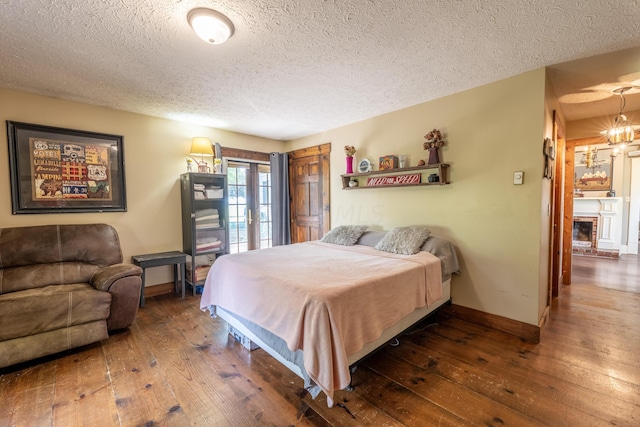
x: 280, y: 214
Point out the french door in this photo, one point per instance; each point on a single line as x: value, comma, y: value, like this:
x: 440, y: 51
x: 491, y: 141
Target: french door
x: 249, y: 187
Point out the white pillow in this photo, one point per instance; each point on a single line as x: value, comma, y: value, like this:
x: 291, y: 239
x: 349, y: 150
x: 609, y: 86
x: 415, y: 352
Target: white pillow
x: 346, y: 235
x: 404, y: 240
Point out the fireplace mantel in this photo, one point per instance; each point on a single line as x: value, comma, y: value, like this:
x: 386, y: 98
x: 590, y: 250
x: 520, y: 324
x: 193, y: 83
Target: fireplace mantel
x: 608, y: 210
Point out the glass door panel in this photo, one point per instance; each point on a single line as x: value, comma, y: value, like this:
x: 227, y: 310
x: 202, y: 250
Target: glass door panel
x: 249, y: 186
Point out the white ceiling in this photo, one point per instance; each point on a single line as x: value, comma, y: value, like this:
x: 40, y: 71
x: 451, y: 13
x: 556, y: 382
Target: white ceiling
x: 298, y: 67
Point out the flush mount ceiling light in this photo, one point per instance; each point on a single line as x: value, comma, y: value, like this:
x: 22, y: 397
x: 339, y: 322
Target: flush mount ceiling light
x: 622, y: 132
x: 210, y: 25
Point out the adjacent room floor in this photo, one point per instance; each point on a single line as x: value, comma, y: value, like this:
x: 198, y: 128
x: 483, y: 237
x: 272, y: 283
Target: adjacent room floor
x: 177, y: 366
x: 622, y: 274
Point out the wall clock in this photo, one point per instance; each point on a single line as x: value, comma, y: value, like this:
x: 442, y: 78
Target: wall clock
x: 364, y: 166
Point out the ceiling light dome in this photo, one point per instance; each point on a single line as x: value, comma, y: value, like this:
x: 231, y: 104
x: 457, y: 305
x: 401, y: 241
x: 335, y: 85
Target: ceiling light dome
x: 210, y: 25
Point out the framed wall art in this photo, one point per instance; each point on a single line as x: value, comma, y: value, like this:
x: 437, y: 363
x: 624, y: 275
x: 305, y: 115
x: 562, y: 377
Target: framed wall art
x: 592, y: 170
x: 57, y: 170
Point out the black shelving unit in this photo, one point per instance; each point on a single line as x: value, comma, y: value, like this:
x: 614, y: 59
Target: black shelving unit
x: 205, y: 225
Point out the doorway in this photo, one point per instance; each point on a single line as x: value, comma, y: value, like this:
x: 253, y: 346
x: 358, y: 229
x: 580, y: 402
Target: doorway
x: 610, y: 273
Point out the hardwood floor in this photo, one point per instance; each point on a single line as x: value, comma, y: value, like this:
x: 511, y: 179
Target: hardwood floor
x: 622, y: 274
x: 176, y: 366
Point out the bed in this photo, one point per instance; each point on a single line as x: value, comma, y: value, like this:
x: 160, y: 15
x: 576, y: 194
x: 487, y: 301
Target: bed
x: 319, y: 307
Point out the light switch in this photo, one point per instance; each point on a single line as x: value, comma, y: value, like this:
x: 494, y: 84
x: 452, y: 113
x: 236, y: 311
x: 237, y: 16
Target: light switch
x: 518, y: 177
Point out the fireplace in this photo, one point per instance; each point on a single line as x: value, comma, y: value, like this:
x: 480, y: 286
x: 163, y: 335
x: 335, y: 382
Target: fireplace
x: 585, y: 232
x: 585, y: 238
x: 597, y: 226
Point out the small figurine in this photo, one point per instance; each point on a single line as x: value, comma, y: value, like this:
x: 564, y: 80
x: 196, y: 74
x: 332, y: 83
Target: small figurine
x: 434, y: 141
x: 421, y: 163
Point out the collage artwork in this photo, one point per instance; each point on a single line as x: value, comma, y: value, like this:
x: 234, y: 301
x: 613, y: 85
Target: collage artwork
x: 65, y: 170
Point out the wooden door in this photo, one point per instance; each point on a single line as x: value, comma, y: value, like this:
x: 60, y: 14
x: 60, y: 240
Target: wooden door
x: 309, y: 188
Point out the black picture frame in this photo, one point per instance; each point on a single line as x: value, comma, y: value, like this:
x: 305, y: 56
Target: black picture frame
x: 58, y: 170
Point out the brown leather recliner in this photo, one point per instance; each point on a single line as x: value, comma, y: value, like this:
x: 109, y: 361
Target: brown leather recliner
x: 62, y: 286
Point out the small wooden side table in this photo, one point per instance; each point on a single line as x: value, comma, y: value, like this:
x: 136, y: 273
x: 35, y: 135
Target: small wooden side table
x: 158, y: 259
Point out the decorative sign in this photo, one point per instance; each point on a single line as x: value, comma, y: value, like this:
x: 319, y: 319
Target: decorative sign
x: 382, y: 181
x: 57, y: 170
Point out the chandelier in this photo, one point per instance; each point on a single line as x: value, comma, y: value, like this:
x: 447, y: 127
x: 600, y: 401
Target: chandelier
x: 622, y: 132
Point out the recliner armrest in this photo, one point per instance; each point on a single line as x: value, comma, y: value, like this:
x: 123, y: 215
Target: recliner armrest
x: 123, y: 282
x: 104, y: 277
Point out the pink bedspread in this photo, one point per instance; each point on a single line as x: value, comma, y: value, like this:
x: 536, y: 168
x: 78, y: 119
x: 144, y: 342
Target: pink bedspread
x: 328, y: 300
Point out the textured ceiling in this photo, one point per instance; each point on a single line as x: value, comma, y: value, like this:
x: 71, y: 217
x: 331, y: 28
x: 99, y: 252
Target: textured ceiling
x: 585, y: 86
x: 297, y: 67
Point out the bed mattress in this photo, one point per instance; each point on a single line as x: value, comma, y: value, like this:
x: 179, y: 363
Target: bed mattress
x: 293, y: 360
x: 328, y: 304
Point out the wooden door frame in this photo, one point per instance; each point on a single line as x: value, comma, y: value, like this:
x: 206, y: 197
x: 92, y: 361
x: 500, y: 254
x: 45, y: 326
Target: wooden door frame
x: 323, y: 151
x: 556, y: 203
x: 567, y: 224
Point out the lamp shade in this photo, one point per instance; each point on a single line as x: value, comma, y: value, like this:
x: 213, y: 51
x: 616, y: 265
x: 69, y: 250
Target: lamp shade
x: 210, y: 25
x: 202, y: 146
x: 621, y: 132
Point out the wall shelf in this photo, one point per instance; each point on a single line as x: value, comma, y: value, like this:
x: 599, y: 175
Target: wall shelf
x: 441, y: 167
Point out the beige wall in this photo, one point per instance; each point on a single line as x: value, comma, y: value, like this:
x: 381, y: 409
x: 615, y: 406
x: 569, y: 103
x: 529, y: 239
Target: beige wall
x: 491, y: 131
x: 155, y: 152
